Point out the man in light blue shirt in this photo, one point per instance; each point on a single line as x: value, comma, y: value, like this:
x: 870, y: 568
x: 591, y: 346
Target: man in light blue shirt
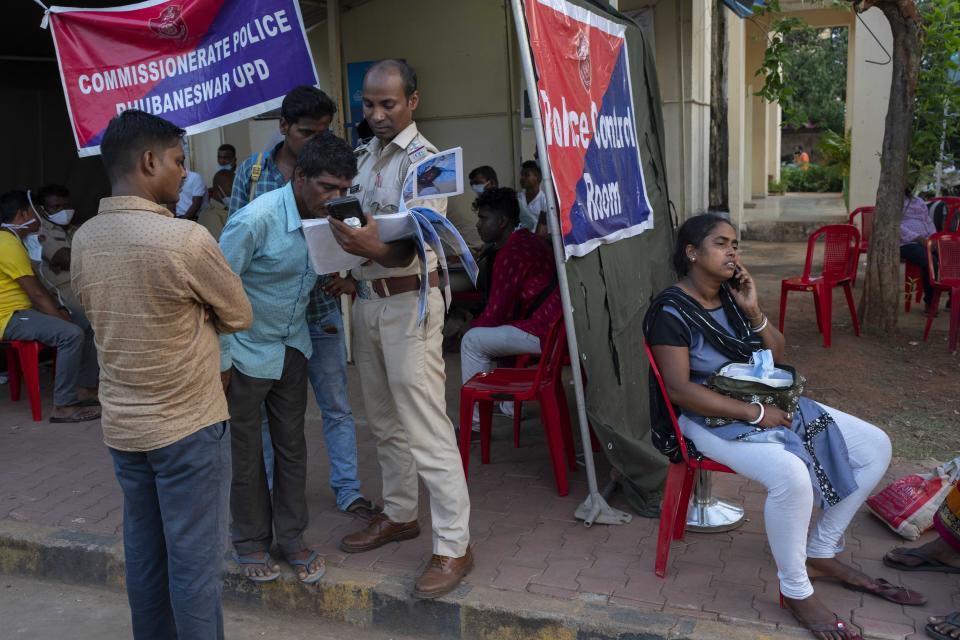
x: 267, y: 364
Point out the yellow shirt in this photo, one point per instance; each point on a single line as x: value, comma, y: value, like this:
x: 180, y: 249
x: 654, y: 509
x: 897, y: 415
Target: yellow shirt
x: 14, y: 264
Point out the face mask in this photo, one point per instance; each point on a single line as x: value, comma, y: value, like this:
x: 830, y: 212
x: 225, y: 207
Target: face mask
x: 62, y: 217
x: 32, y: 245
x: 479, y: 188
x: 225, y: 167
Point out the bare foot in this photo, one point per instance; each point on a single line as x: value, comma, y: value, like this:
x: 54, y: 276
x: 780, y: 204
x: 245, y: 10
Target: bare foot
x: 833, y: 568
x: 819, y: 620
x: 302, y: 571
x: 261, y: 570
x: 935, y: 549
x: 940, y: 625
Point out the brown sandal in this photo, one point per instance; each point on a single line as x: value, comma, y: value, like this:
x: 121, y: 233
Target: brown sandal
x: 891, y: 592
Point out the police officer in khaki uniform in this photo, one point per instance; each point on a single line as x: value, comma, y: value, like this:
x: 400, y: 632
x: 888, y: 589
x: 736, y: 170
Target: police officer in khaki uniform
x: 400, y: 362
x: 53, y: 209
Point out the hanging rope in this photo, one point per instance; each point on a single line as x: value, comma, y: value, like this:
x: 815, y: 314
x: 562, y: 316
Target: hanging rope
x: 46, y: 14
x: 879, y: 44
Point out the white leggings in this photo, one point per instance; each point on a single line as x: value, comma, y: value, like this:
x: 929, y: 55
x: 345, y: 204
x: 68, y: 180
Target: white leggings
x: 789, y: 504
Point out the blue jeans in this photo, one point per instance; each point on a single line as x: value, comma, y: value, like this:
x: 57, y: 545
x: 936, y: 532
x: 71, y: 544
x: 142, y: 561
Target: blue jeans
x: 327, y: 369
x: 175, y: 509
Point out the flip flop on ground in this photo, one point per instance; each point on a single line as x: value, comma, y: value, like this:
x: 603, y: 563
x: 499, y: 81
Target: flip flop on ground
x: 250, y: 562
x: 945, y: 628
x: 306, y: 576
x: 927, y: 563
x: 82, y: 414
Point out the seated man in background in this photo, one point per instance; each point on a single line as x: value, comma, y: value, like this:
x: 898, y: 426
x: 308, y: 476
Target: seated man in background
x: 193, y: 193
x: 52, y: 206
x: 531, y: 198
x: 28, y: 312
x: 915, y: 228
x: 483, y: 178
x: 227, y: 158
x: 524, y: 301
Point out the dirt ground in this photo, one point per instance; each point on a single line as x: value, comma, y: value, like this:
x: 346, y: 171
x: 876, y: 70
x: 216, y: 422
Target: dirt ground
x: 909, y: 387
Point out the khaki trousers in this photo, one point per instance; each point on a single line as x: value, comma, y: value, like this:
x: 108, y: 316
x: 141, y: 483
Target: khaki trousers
x: 402, y: 375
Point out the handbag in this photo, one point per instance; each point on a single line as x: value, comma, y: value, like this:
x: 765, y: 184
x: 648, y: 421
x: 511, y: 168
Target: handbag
x: 781, y: 386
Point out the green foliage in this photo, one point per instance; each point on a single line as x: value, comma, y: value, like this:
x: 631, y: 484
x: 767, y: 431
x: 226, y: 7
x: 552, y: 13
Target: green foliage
x: 816, y: 179
x: 804, y: 69
x: 937, y: 110
x: 835, y: 150
x: 778, y: 187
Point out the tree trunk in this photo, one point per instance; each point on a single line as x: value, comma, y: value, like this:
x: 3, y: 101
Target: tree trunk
x: 719, y: 134
x: 881, y: 299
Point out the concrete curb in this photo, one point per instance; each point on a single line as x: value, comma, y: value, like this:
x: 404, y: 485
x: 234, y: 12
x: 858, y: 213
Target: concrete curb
x: 371, y: 600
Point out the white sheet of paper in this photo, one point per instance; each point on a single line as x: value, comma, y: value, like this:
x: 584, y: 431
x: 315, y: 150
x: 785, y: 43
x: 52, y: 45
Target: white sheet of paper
x: 326, y: 256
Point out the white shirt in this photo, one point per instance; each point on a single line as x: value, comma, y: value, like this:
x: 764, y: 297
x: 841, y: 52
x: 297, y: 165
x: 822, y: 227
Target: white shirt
x: 530, y: 212
x: 193, y: 187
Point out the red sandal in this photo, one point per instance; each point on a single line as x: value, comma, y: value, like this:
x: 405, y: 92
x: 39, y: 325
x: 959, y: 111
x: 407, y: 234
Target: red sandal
x: 837, y: 626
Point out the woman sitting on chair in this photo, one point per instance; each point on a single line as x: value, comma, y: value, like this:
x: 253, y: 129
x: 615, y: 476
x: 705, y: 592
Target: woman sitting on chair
x: 816, y: 455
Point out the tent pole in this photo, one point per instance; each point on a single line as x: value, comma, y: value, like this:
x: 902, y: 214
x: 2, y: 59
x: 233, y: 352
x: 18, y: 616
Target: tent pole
x: 594, y: 508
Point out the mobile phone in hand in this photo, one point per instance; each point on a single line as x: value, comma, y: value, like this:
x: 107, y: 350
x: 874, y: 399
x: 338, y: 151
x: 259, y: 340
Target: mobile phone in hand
x: 734, y: 281
x: 345, y: 208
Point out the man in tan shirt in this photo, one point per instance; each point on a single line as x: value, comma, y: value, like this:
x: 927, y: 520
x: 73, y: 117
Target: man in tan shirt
x: 157, y: 291
x: 400, y: 361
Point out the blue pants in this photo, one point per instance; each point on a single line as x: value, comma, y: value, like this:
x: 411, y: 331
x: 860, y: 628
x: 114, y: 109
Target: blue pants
x: 175, y: 508
x: 327, y: 369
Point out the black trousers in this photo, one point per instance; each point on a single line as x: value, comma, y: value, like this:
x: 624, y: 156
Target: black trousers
x: 255, y: 515
x: 915, y: 253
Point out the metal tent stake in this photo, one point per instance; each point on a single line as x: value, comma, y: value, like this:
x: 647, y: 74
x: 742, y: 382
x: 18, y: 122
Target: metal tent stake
x: 708, y: 514
x: 594, y: 508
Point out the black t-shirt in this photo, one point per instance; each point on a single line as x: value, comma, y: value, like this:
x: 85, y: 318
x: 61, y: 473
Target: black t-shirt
x: 668, y: 330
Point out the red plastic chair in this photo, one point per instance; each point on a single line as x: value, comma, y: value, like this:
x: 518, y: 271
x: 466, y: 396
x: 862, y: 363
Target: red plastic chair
x: 23, y: 359
x: 865, y: 226
x: 840, y: 257
x: 952, y: 221
x: 948, y: 248
x: 953, y: 207
x: 913, y: 276
x: 681, y: 477
x: 542, y: 383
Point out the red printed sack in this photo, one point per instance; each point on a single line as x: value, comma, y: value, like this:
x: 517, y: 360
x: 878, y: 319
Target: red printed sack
x: 907, y: 505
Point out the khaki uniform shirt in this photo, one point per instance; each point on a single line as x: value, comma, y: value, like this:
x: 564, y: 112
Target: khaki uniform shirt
x: 381, y: 171
x: 157, y: 291
x: 52, y: 238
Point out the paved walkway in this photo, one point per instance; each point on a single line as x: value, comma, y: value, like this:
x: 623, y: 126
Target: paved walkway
x: 525, y: 537
x: 796, y: 207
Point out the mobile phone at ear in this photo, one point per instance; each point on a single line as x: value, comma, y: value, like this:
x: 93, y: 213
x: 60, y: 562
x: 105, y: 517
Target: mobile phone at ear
x: 345, y: 208
x: 734, y: 281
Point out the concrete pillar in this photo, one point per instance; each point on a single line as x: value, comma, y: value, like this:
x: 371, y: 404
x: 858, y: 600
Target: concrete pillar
x: 683, y: 70
x: 774, y: 116
x: 758, y: 125
x: 736, y: 118
x: 867, y: 105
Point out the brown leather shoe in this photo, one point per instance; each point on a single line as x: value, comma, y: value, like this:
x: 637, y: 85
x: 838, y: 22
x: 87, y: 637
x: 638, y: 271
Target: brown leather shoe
x: 442, y: 575
x: 379, y: 532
